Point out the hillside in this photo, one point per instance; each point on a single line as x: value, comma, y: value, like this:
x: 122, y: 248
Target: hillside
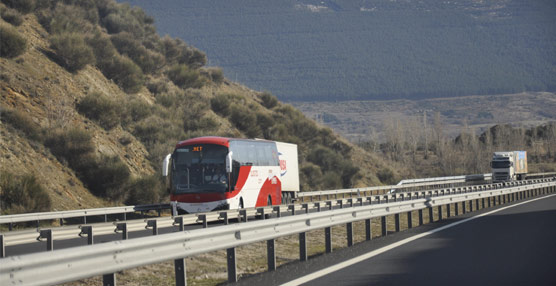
x: 312, y: 50
x: 91, y: 99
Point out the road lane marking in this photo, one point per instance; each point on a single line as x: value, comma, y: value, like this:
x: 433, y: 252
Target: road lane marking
x: 355, y: 260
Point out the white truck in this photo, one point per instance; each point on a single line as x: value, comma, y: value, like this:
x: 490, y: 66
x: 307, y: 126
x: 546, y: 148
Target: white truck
x: 509, y: 166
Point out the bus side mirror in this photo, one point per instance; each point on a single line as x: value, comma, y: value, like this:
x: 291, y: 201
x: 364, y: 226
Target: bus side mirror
x: 229, y: 162
x: 166, y: 165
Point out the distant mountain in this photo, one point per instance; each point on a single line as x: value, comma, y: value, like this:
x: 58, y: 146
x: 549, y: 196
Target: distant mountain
x: 382, y: 49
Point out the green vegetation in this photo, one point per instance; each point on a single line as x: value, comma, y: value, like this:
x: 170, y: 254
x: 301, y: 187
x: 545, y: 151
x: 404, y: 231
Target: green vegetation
x: 21, y: 121
x: 100, y: 108
x: 22, y: 194
x: 23, y: 6
x: 11, y: 16
x: 71, y: 51
x: 12, y: 44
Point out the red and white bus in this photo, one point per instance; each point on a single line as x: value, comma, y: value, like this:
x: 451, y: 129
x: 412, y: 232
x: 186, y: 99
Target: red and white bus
x: 217, y: 173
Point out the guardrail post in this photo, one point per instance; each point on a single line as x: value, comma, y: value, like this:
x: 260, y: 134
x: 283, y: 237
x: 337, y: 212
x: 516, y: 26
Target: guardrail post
x: 397, y: 222
x: 203, y: 219
x: 341, y: 203
x: 431, y: 215
x: 448, y: 211
x: 232, y: 267
x: 152, y: 223
x: 47, y: 234
x: 483, y: 203
x: 383, y: 225
x: 123, y: 228
x: 306, y: 207
x: 88, y: 231
x: 243, y: 214
x: 349, y: 230
x: 489, y: 199
x: 179, y: 264
x: 2, y: 247
x: 328, y: 239
x: 504, y: 199
x: 456, y: 209
x: 420, y: 217
x: 109, y: 279
x: 463, y: 207
x: 271, y: 254
x: 477, y: 204
x: 439, y: 212
x: 303, y: 246
x: 317, y: 205
x: 179, y: 222
x: 180, y: 273
x: 292, y: 209
x: 368, y: 229
x: 276, y: 209
x: 409, y: 220
x: 329, y: 204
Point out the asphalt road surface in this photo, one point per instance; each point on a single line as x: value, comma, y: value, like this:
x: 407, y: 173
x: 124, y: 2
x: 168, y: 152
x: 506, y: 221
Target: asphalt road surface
x: 508, y: 245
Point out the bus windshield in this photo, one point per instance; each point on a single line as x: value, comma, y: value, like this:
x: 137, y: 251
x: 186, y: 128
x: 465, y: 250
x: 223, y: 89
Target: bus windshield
x: 199, y: 169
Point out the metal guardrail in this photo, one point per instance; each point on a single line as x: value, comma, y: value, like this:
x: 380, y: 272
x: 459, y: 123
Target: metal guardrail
x: 84, y: 213
x: 76, y: 231
x: 107, y: 258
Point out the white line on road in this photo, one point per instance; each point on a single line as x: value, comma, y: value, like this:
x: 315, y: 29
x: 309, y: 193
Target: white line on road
x: 333, y: 268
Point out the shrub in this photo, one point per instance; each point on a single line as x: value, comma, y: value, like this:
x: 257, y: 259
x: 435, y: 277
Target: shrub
x: 184, y: 77
x: 103, y: 49
x: 22, y: 194
x: 268, y: 100
x: 74, y: 146
x: 125, y: 73
x: 143, y: 191
x: 12, y: 43
x: 221, y: 104
x: 107, y: 178
x: 70, y: 19
x: 72, y: 51
x: 245, y: 120
x: 138, y: 109
x: 213, y: 74
x: 386, y: 176
x: 11, y: 16
x: 21, y: 121
x: 157, y: 86
x: 101, y: 109
x: 23, y: 6
x: 148, y: 61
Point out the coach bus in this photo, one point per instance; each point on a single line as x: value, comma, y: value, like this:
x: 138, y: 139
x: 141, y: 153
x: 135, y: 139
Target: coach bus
x: 216, y: 173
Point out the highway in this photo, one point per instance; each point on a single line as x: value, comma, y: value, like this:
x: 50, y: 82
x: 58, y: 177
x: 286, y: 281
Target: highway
x: 505, y: 245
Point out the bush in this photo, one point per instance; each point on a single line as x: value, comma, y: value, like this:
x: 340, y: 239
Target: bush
x: 185, y: 77
x: 70, y: 19
x: 178, y: 52
x: 21, y: 121
x: 144, y: 191
x: 22, y: 194
x: 23, y: 6
x: 11, y: 16
x: 12, y: 43
x: 73, y: 146
x: 157, y: 86
x: 221, y: 104
x: 101, y: 109
x: 107, y: 178
x: 213, y: 74
x: 127, y: 45
x: 72, y: 52
x: 386, y: 176
x: 268, y: 100
x: 245, y: 120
